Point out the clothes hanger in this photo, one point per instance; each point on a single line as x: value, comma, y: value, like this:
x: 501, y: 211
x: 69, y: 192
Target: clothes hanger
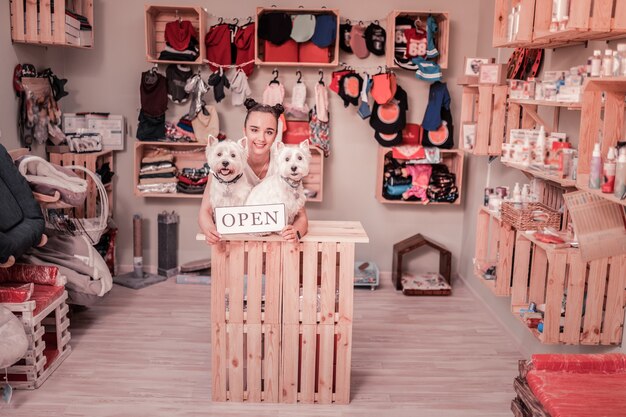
x: 321, y: 80
x: 299, y: 74
x: 275, y: 80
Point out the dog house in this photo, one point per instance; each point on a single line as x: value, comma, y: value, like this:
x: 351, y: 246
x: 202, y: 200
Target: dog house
x: 429, y: 284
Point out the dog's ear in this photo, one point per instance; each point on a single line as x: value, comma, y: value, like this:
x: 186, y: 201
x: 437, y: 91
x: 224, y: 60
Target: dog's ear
x: 305, y: 146
x: 243, y: 142
x: 279, y: 146
x: 213, y: 140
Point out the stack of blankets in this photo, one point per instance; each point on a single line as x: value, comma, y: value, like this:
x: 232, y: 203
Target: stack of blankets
x: 193, y: 180
x: 158, y: 172
x: 442, y: 186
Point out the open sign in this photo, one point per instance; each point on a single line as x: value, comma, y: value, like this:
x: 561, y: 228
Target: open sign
x: 250, y: 219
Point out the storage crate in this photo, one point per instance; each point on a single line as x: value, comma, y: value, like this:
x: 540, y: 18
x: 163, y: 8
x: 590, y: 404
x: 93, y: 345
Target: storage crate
x: 591, y: 293
x: 333, y: 50
x: 484, y: 106
x: 37, y: 21
x: 495, y: 241
x: 156, y: 17
x: 287, y: 340
x: 501, y: 22
x: 530, y: 216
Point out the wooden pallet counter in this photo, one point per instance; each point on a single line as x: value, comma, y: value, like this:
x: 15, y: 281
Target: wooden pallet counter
x: 281, y: 316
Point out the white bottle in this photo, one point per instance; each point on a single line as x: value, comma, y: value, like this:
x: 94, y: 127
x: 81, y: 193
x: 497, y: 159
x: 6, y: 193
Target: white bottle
x: 621, y: 49
x: 526, y: 193
x: 608, y: 173
x: 540, y: 148
x: 596, y: 63
x: 616, y: 64
x: 517, y: 195
x: 607, y: 63
x: 620, y: 174
x: 595, y: 172
x: 518, y: 11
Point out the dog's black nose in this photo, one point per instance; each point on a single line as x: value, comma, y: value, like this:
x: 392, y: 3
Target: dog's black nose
x: 294, y: 168
x: 225, y: 163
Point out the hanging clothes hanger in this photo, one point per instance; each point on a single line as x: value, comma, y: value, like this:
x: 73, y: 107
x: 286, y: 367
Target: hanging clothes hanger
x: 275, y: 80
x: 299, y: 74
x: 321, y: 80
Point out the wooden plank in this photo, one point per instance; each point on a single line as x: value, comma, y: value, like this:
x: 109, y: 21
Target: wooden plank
x: 526, y: 18
x: 612, y: 327
x: 31, y: 21
x: 619, y: 21
x: 218, y: 358
x: 45, y: 21
x: 219, y: 274
x: 17, y: 22
x: 255, y: 279
x: 512, y: 119
x: 271, y: 362
x: 59, y: 22
x: 328, y: 283
x: 498, y: 119
x: 521, y: 266
x: 530, y: 116
x: 309, y: 283
x: 482, y: 243
x: 468, y: 99
x: 575, y: 297
x: 543, y: 17
x: 554, y: 297
x: 253, y: 362
x: 290, y: 345
x: 537, y: 285
x: 346, y: 282
x: 594, y: 305
x: 504, y: 268
x: 343, y: 365
x: 235, y: 361
x: 273, y: 282
x: 326, y: 365
x: 291, y: 283
x: 483, y: 127
x: 602, y: 11
x: 613, y: 120
x: 235, y: 281
x: 589, y: 125
x: 500, y: 22
x: 580, y: 14
x: 307, y: 374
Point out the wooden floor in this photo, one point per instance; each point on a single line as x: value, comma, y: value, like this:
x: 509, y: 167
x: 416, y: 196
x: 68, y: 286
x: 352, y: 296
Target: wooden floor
x: 147, y: 353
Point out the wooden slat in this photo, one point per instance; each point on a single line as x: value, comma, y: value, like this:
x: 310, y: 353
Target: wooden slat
x: 537, y: 285
x: 255, y: 280
x: 575, y: 297
x: 596, y: 285
x: 219, y: 274
x: 346, y: 282
x: 530, y: 118
x: 483, y: 127
x: 307, y: 374
x: 309, y: 283
x: 500, y: 21
x: 468, y: 101
x: 17, y: 22
x: 498, y: 119
x: 271, y: 362
x: 554, y: 297
x: 602, y: 10
x: 619, y: 21
x: 589, y: 125
x: 328, y: 284
x: 291, y: 283
x: 273, y: 283
x: 612, y: 327
x: 326, y: 366
x: 512, y: 119
x: 235, y: 281
x: 45, y: 21
x: 218, y: 358
x: 31, y: 21
x: 482, y: 245
x: 521, y: 266
x: 235, y: 361
x: 526, y: 18
x: 253, y: 362
x: 543, y: 16
x: 505, y: 260
x: 579, y: 14
x: 343, y: 365
x: 59, y: 22
x: 613, y: 119
x: 289, y: 370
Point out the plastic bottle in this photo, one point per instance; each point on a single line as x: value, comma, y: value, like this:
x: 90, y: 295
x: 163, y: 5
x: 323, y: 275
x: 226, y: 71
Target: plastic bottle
x: 608, y: 184
x: 540, y: 148
x: 517, y: 196
x: 607, y: 63
x: 620, y: 175
x: 596, y: 63
x: 616, y: 64
x: 621, y: 51
x: 595, y: 173
x: 589, y: 66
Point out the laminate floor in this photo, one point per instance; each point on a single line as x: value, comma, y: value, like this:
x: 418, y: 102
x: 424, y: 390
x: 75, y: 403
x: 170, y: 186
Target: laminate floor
x: 147, y: 353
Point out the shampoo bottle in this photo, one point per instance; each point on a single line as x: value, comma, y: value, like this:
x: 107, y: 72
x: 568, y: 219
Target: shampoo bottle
x: 620, y: 175
x: 596, y: 63
x: 595, y: 173
x: 540, y: 148
x: 608, y: 183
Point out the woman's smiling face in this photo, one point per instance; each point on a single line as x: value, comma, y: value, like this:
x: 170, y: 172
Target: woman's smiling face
x: 261, y: 132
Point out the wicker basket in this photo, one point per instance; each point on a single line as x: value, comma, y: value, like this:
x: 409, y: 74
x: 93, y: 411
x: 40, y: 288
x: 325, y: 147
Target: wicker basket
x: 530, y: 216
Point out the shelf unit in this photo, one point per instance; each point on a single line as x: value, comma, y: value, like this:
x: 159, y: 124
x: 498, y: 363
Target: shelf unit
x: 485, y: 107
x: 192, y: 155
x: 588, y: 20
x: 259, y: 49
x: 156, y: 17
x: 544, y: 175
x: 36, y: 22
x: 443, y: 40
x: 452, y: 158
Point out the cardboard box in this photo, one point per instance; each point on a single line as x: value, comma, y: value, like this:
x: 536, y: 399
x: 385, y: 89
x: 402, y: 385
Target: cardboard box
x: 493, y: 74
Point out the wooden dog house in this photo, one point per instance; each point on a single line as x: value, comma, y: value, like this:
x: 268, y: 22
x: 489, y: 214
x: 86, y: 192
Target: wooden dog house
x: 414, y: 243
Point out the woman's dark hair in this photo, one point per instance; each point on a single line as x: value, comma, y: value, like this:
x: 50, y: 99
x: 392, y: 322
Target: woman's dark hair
x: 252, y: 106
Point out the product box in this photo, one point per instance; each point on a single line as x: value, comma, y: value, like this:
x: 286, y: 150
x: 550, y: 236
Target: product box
x: 569, y: 94
x: 494, y: 74
x: 516, y: 89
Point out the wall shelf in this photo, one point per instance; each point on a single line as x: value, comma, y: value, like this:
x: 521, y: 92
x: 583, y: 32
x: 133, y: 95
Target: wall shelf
x: 548, y: 176
x: 547, y: 103
x: 485, y: 107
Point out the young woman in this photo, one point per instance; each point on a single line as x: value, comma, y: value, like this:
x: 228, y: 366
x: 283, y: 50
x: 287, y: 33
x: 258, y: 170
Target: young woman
x: 261, y: 129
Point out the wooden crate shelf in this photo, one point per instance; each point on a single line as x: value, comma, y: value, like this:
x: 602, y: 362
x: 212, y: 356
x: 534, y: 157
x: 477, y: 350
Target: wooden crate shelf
x: 156, y: 17
x: 500, y: 23
x: 452, y: 158
x: 495, y: 241
x: 442, y: 42
x: 285, y: 335
x: 35, y: 21
x: 544, y: 175
x: 592, y: 293
x: 485, y: 107
x: 547, y: 103
x: 333, y: 49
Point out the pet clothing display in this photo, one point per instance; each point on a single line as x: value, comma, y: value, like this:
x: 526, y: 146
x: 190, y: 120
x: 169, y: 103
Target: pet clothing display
x: 400, y: 44
x: 375, y: 39
x: 426, y: 70
x: 384, y: 87
x: 390, y: 117
x: 364, y: 108
x: 319, y: 131
x: 336, y: 76
x: 350, y: 87
x: 388, y: 139
x: 432, y: 29
x: 175, y: 134
x: 196, y: 88
x: 298, y: 109
x: 286, y: 52
x: 408, y: 152
x: 150, y: 127
x: 39, y: 114
x: 442, y: 187
x: 192, y: 180
x: 420, y: 178
x: 344, y: 37
x: 303, y: 27
x: 275, y: 27
x: 185, y: 125
x: 21, y: 220
x: 205, y: 124
x: 177, y: 76
x: 443, y: 137
x: 321, y: 102
x: 153, y: 92
x: 438, y: 98
x: 357, y: 42
x: 57, y: 84
x: 181, y: 42
x: 244, y: 44
x: 416, y: 42
x: 239, y: 87
x: 229, y: 44
x: 325, y: 30
x: 219, y: 82
x: 274, y: 94
x: 309, y: 52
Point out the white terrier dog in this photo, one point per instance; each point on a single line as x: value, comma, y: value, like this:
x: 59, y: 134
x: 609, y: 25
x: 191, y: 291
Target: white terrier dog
x: 227, y: 160
x: 285, y: 183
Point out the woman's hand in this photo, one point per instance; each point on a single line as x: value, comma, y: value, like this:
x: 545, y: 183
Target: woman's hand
x: 211, y: 235
x: 290, y: 234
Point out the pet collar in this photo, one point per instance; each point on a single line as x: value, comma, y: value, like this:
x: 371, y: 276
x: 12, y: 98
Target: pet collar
x: 292, y: 182
x: 233, y: 181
